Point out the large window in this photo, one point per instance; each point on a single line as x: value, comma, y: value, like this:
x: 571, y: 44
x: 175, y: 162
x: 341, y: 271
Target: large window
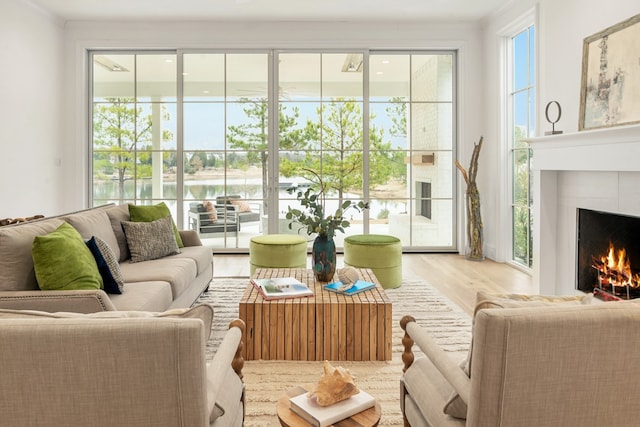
x: 225, y: 139
x: 522, y: 101
x: 186, y: 127
x: 134, y: 136
x: 412, y: 135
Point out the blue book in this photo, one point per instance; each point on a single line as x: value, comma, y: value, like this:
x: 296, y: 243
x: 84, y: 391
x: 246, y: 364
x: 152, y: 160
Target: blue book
x: 359, y: 286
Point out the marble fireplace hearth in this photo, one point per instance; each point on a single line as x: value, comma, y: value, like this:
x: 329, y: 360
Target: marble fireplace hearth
x: 598, y: 170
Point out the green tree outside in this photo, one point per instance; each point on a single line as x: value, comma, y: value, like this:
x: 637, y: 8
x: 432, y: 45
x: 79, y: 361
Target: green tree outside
x: 521, y: 211
x: 120, y: 131
x: 253, y: 137
x: 334, y: 146
x: 397, y: 112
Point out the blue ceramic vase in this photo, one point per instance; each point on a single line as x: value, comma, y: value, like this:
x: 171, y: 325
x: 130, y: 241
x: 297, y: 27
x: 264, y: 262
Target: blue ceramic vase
x: 323, y: 258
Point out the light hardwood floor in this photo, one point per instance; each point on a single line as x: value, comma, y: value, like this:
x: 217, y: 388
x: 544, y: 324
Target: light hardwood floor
x: 456, y: 277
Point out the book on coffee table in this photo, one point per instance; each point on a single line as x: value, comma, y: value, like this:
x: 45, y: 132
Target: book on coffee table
x: 322, y: 416
x: 359, y: 286
x: 281, y: 287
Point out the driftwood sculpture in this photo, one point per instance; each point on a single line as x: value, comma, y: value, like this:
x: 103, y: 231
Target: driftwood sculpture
x: 474, y: 218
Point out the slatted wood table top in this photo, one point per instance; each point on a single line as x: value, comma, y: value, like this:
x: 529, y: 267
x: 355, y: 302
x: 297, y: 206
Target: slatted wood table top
x: 367, y: 418
x: 327, y: 326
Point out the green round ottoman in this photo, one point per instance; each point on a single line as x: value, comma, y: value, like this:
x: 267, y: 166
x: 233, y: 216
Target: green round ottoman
x: 379, y: 252
x: 277, y: 250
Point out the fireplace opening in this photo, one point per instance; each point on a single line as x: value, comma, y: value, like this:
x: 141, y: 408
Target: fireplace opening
x: 608, y: 247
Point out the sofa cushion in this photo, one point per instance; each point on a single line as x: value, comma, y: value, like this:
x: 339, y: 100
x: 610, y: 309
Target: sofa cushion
x: 150, y: 240
x: 202, y: 255
x: 178, y: 272
x: 117, y: 215
x: 107, y: 265
x: 152, y: 213
x: 455, y: 406
x: 16, y: 244
x: 152, y: 295
x: 487, y: 300
x: 95, y: 223
x: 62, y: 261
x: 203, y: 312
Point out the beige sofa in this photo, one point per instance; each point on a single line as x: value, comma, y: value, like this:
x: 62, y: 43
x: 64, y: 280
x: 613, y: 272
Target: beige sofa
x: 154, y: 285
x: 124, y: 369
x: 531, y: 365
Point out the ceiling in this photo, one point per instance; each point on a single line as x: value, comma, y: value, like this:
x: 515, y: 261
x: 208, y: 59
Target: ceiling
x: 272, y: 10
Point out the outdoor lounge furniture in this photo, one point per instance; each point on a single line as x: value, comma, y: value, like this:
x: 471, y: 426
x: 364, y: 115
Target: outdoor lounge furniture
x: 226, y: 222
x: 235, y: 203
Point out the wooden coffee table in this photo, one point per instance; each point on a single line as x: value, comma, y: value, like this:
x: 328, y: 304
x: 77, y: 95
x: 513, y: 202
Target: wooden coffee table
x: 327, y: 326
x: 288, y: 418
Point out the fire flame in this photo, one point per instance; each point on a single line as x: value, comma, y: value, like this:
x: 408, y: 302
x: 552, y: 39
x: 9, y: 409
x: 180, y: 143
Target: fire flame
x: 614, y: 269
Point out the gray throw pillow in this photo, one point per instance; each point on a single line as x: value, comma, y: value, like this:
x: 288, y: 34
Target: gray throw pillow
x: 150, y: 240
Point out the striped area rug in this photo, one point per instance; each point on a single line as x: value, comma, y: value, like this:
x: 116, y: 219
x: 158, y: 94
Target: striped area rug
x: 266, y: 380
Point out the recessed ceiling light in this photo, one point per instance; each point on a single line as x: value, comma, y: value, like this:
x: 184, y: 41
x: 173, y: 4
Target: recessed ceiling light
x: 109, y: 64
x: 168, y: 60
x: 352, y: 63
x: 385, y: 61
x: 379, y: 73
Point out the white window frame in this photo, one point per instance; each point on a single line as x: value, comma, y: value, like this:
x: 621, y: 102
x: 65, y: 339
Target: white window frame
x: 506, y: 35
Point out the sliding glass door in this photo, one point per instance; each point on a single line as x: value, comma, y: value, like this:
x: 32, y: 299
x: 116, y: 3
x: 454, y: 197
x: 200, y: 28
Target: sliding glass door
x: 412, y: 135
x: 395, y: 151
x: 225, y: 140
x: 321, y: 137
x: 239, y: 133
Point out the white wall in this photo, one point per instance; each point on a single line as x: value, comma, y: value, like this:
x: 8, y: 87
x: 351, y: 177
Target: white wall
x: 561, y: 49
x: 81, y: 36
x: 32, y: 155
x: 561, y: 29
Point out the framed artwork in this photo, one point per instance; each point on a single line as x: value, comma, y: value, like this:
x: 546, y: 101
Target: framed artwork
x: 610, y: 90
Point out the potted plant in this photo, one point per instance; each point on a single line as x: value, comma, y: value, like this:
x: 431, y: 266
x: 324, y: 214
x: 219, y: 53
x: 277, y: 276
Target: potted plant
x: 312, y: 217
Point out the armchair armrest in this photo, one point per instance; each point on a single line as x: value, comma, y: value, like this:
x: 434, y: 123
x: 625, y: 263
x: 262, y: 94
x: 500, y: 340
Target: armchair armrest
x: 228, y: 356
x: 229, y: 353
x: 451, y: 371
x: 82, y: 301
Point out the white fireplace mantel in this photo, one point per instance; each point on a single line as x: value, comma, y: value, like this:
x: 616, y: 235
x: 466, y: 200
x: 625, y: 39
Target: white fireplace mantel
x: 610, y: 149
x: 593, y: 169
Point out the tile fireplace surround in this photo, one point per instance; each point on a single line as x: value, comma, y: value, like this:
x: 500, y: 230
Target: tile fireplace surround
x: 597, y: 169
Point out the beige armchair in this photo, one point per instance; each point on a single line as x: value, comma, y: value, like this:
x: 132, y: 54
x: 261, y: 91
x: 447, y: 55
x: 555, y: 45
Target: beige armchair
x: 97, y: 370
x: 531, y: 365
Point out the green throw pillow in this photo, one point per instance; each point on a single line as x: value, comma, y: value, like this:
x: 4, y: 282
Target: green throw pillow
x: 62, y: 261
x: 152, y: 213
